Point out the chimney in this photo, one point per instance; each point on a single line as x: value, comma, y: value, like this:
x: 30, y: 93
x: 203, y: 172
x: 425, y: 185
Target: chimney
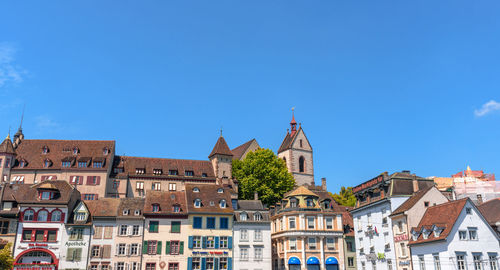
x: 415, y: 184
x: 323, y: 183
x: 479, y: 199
x: 255, y: 195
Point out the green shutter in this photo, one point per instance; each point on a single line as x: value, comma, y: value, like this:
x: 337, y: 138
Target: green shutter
x: 145, y: 247
x: 181, y: 247
x: 176, y: 227
x: 167, y: 247
x: 158, y: 247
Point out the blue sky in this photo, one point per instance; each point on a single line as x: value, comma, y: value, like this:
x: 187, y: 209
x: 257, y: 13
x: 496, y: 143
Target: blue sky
x: 377, y: 85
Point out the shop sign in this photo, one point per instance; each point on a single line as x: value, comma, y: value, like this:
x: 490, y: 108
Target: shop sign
x: 219, y: 253
x: 76, y: 244
x: 399, y: 238
x: 368, y: 184
x: 404, y: 262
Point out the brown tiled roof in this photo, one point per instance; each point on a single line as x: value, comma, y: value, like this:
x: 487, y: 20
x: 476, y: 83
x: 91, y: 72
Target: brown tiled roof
x: 404, y: 186
x: 221, y: 148
x: 6, y: 146
x: 491, y: 211
x: 66, y: 193
x: 166, y: 201
x: 208, y: 194
x: 31, y: 152
x: 250, y: 205
x: 301, y: 190
x: 443, y: 215
x: 240, y: 150
x: 130, y: 164
x: 104, y: 207
x: 411, y: 201
x: 347, y: 221
x: 288, y: 140
x: 130, y: 204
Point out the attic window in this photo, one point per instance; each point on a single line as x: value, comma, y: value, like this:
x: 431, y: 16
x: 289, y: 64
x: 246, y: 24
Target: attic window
x: 188, y: 173
x: 45, y: 150
x: 220, y: 190
x: 80, y: 216
x: 118, y: 170
x: 243, y: 216
x: 197, y: 203
x: 425, y: 234
x: 140, y: 171
x: 177, y: 208
x: 203, y: 174
x: 155, y: 207
x: 437, y: 232
x: 75, y: 151
x: 257, y: 217
x: 137, y: 212
x: 157, y: 171
x: 212, y: 203
x: 97, y: 164
x: 309, y: 202
x: 47, y: 163
x: 66, y: 164
x: 196, y: 189
x: 222, y: 204
x: 326, y: 204
x: 105, y: 151
x: 22, y: 164
x: 173, y: 172
x: 46, y: 195
x: 125, y: 212
x: 468, y: 211
x: 300, y: 142
x: 82, y: 164
x: 293, y: 202
x: 426, y: 204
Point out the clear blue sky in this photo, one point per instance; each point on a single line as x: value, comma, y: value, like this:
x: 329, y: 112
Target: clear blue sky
x: 377, y: 85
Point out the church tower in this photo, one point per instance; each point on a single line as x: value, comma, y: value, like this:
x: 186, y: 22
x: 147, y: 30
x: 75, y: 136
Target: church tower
x: 221, y: 158
x: 7, y: 158
x: 297, y: 153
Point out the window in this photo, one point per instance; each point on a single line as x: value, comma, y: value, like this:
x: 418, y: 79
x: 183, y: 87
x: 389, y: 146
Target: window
x: 461, y: 261
x: 173, y: 266
x: 120, y: 266
x: 152, y: 247
x: 197, y: 203
x: 224, y: 223
x: 76, y: 234
x: 137, y: 212
x: 223, y: 242
x: 157, y: 171
x: 95, y: 251
x: 46, y: 195
x: 243, y: 235
x: 437, y: 262
x: 330, y: 243
x: 293, y: 243
x: 363, y: 266
x: 39, y: 235
x: 188, y: 173
x: 329, y: 223
x: 47, y: 163
x: 174, y: 247
x: 301, y: 164
x: 172, y: 186
x: 462, y: 235
x: 258, y: 253
x: 4, y: 227
x: 42, y: 215
x: 156, y: 186
x: 244, y: 254
x: 350, y: 261
x: 55, y: 216
x: 134, y: 249
x: 310, y: 222
x: 196, y: 241
x: 421, y: 262
x: 172, y: 172
x: 209, y: 263
x: 220, y: 190
x: 472, y: 234
x: 243, y: 216
x: 477, y: 261
x: 350, y: 246
x: 196, y: 263
x: 311, y: 241
x: 468, y: 211
x: 204, y: 175
x: 140, y: 171
x: 155, y: 208
x: 222, y: 203
x: 291, y: 223
x: 121, y: 249
x: 74, y: 254
x: 176, y: 209
x: 210, y: 223
x: 123, y: 229
x: 196, y: 189
x: 105, y: 151
x: 210, y: 241
x: 175, y: 227
x: 66, y: 164
x: 258, y: 235
x: 197, y: 222
x: 257, y: 217
x: 222, y: 263
x: 152, y: 266
x: 153, y: 226
x: 97, y: 164
x: 293, y: 203
x: 493, y: 261
x: 139, y: 185
x: 403, y: 249
x: 309, y: 202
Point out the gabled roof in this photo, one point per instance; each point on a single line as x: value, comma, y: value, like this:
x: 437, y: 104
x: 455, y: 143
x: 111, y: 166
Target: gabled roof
x: 239, y: 151
x: 130, y: 204
x: 411, y: 201
x: 104, y: 207
x: 221, y: 148
x: 210, y: 198
x: 443, y: 215
x: 166, y: 201
x: 301, y: 190
x: 6, y: 146
x: 250, y: 205
x: 491, y: 211
x: 65, y: 193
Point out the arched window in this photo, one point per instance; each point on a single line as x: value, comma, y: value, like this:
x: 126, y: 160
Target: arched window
x: 29, y: 215
x: 302, y: 164
x: 155, y: 207
x: 257, y: 217
x: 55, y: 216
x: 300, y: 141
x: 293, y: 202
x: 284, y: 159
x: 42, y: 215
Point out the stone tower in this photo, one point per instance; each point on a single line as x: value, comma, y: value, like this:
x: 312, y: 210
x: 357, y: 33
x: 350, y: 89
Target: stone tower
x: 297, y: 152
x: 7, y: 158
x: 221, y: 158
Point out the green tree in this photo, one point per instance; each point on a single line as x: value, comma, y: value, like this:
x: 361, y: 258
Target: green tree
x: 6, y: 259
x: 263, y: 172
x: 345, y: 197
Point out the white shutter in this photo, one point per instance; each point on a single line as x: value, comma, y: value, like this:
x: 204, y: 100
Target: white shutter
x: 117, y: 252
x: 129, y: 230
x: 115, y: 266
x: 141, y: 228
x: 126, y: 266
x: 139, y: 250
x: 127, y: 249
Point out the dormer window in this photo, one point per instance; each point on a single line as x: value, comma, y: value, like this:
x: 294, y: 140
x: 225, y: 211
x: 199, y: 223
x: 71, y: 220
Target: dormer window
x: 157, y: 171
x: 326, y: 204
x: 243, y: 216
x: 105, y: 151
x: 80, y: 216
x: 47, y: 163
x: 97, y: 164
x: 140, y: 171
x: 82, y: 164
x: 75, y: 151
x: 46, y: 195
x: 66, y: 164
x: 309, y: 202
x: 257, y: 217
x: 45, y: 150
x: 293, y: 203
x: 125, y: 212
x: 197, y: 203
x: 222, y: 204
x: 212, y: 203
x: 220, y: 190
x: 155, y: 207
x: 204, y: 175
x: 188, y: 173
x: 22, y: 163
x: 196, y: 189
x: 426, y: 233
x: 177, y: 208
x: 437, y: 232
x: 137, y: 212
x: 173, y: 172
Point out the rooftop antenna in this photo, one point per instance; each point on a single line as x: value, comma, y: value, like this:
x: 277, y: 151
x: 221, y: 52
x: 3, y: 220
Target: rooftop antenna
x: 22, y: 118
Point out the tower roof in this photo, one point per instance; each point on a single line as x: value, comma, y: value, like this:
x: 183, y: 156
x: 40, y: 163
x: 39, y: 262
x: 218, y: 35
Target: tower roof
x: 7, y: 147
x: 221, y: 148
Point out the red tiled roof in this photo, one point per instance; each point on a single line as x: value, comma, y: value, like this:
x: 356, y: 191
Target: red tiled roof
x: 221, y: 148
x: 208, y: 194
x: 166, y: 200
x: 6, y: 146
x: 104, y: 207
x: 66, y: 193
x: 442, y: 215
x: 411, y: 201
x: 240, y: 150
x: 131, y: 164
x: 288, y: 140
x: 31, y: 152
x: 491, y: 211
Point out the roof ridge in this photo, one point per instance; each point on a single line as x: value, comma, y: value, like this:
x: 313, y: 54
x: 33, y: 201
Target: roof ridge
x: 163, y: 158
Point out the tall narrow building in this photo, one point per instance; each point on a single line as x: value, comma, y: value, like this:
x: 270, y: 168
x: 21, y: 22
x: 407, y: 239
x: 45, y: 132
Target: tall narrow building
x: 297, y: 153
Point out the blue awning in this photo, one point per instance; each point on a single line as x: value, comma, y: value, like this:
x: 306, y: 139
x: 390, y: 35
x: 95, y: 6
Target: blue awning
x: 313, y: 260
x: 331, y: 260
x: 294, y: 261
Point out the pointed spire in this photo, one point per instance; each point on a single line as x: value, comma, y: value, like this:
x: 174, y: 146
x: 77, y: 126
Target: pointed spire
x: 468, y: 168
x: 221, y: 148
x: 293, y: 123
x: 6, y: 146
